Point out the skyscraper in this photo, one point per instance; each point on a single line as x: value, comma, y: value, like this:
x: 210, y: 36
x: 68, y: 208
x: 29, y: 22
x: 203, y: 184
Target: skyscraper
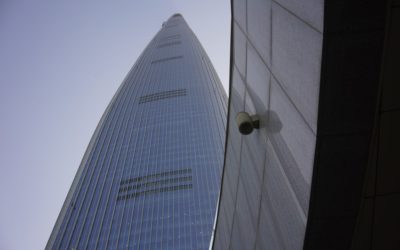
x: 150, y: 177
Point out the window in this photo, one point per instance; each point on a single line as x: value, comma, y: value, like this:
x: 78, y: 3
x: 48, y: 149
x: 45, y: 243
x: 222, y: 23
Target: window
x: 162, y: 95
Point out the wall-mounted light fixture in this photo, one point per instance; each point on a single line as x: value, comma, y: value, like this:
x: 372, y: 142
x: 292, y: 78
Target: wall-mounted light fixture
x: 247, y: 123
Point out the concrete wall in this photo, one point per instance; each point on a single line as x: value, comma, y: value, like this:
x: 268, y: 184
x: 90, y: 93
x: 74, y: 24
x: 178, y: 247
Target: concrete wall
x: 378, y: 225
x: 322, y: 171
x: 275, y: 72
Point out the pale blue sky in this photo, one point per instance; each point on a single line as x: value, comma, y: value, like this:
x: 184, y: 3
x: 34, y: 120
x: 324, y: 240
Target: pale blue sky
x: 60, y: 64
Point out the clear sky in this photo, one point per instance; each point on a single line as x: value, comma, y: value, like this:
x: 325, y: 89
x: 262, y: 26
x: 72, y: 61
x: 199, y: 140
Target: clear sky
x: 60, y: 64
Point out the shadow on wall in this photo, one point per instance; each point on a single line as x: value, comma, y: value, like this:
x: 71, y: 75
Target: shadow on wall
x: 271, y: 126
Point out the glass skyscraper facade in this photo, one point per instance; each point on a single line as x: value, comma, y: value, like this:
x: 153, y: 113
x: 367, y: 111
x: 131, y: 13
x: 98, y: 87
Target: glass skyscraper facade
x: 150, y: 177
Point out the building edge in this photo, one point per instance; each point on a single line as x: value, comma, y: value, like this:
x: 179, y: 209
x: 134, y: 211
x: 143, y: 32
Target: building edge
x: 89, y: 148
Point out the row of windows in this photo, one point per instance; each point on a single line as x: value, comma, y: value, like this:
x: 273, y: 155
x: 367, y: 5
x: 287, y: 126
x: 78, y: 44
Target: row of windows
x: 168, y: 44
x: 154, y: 191
x: 171, y: 26
x: 153, y: 176
x: 166, y: 59
x: 172, y: 37
x: 155, y: 183
x: 162, y: 95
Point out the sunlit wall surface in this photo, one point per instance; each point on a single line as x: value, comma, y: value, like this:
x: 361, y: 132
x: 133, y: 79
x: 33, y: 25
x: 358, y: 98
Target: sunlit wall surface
x: 151, y: 175
x: 275, y: 73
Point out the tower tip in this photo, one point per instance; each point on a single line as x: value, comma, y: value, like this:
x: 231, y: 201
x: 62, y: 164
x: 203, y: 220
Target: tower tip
x: 177, y: 15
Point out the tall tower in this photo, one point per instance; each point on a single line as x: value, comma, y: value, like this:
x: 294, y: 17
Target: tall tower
x: 150, y: 177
